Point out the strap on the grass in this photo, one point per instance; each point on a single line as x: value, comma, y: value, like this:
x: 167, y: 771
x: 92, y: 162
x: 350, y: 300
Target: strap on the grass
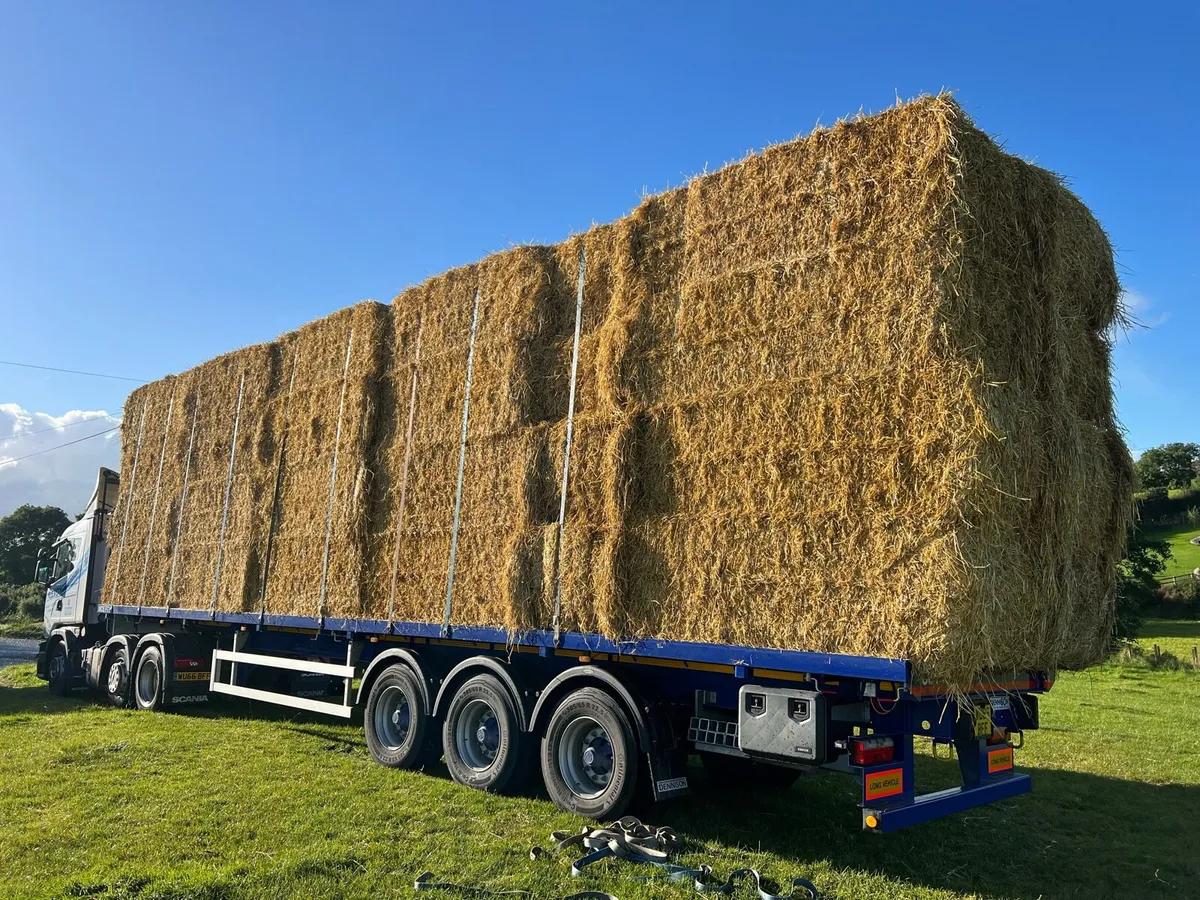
x: 630, y: 840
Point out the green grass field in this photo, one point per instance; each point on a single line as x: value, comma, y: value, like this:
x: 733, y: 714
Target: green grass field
x: 1185, y: 556
x: 20, y: 627
x: 235, y: 801
x: 1171, y: 635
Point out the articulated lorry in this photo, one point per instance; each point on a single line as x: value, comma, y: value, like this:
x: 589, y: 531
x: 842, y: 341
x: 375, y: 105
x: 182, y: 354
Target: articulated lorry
x: 603, y: 720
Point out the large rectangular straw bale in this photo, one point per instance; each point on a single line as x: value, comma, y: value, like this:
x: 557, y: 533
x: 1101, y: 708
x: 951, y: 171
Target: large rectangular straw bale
x: 142, y: 430
x: 181, y: 569
x: 520, y: 378
x: 427, y: 374
x: 876, y: 418
x: 330, y: 406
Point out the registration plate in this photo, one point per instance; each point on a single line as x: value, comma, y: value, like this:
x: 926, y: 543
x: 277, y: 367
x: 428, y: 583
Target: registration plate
x: 983, y: 720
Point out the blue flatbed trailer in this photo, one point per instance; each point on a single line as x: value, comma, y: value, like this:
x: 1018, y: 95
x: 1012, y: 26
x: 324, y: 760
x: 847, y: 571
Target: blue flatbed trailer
x: 604, y: 720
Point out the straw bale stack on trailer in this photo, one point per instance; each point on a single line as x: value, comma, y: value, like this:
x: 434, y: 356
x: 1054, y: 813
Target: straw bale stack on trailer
x: 848, y: 395
x: 235, y: 516
x: 864, y: 405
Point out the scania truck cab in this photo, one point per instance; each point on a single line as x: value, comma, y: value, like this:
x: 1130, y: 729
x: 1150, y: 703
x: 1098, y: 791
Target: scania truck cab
x: 73, y: 572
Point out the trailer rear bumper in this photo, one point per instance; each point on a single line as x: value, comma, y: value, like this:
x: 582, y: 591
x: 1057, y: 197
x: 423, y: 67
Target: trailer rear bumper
x: 944, y: 803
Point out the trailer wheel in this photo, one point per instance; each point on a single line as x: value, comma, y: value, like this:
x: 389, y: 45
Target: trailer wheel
x: 149, y: 679
x: 589, y: 755
x: 396, y: 722
x: 739, y: 773
x: 58, y: 670
x: 114, y: 677
x: 482, y: 738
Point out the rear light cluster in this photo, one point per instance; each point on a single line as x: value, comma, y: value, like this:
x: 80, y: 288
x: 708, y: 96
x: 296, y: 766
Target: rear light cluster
x: 872, y: 751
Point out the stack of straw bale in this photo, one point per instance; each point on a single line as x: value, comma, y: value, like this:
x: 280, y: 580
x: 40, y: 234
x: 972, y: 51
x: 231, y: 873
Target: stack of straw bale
x: 246, y: 532
x: 848, y: 395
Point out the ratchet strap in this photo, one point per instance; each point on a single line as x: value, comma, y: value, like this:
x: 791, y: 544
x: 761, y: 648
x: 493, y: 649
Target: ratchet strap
x: 630, y: 840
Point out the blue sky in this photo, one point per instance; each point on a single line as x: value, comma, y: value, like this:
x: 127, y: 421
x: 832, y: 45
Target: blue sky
x: 180, y: 179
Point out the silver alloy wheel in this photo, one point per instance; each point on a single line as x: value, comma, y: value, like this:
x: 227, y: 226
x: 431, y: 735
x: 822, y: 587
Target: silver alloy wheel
x: 585, y: 758
x: 393, y: 718
x: 477, y: 735
x: 58, y: 665
x: 116, y: 675
x: 147, y: 684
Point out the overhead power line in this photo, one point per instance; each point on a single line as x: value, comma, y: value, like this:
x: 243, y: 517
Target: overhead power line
x: 6, y: 362
x: 95, y: 420
x: 12, y: 459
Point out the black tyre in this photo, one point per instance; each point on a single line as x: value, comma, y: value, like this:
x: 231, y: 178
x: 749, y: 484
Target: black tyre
x: 589, y: 756
x: 744, y: 774
x: 149, y: 679
x: 114, y: 677
x: 482, y: 738
x: 396, y: 721
x: 58, y: 670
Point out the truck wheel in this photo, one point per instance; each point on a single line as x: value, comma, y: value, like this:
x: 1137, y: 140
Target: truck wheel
x: 738, y: 772
x: 589, y: 756
x: 396, y: 722
x: 58, y: 670
x: 482, y: 738
x: 114, y: 677
x: 149, y: 680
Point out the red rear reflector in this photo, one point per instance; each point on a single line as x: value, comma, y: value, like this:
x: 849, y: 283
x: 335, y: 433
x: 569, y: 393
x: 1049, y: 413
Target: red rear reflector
x: 872, y: 751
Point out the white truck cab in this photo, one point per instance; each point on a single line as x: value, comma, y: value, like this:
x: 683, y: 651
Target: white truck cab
x: 72, y: 570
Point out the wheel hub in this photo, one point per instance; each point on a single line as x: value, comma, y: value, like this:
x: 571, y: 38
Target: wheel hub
x: 477, y: 735
x: 147, y: 683
x: 116, y: 677
x: 393, y: 718
x: 585, y: 757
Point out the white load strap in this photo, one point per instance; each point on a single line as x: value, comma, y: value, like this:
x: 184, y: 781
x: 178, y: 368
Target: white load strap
x: 137, y: 452
x: 212, y: 606
x: 187, y: 470
x: 162, y: 457
x: 566, y: 470
x: 337, y: 439
x: 408, y: 437
x: 462, y: 462
x: 277, y: 495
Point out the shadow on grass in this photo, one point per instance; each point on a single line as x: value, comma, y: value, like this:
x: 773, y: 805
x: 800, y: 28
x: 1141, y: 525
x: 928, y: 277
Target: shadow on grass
x: 1077, y: 835
x: 25, y: 698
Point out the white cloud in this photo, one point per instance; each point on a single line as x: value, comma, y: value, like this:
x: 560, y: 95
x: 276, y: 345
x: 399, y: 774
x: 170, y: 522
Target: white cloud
x: 57, y: 475
x: 1141, y: 309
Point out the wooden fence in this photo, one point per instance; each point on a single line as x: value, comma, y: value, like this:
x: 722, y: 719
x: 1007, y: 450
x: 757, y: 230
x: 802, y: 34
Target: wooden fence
x: 1177, y: 579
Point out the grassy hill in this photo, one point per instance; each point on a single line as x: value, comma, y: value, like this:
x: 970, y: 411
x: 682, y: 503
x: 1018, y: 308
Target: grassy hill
x: 1185, y: 556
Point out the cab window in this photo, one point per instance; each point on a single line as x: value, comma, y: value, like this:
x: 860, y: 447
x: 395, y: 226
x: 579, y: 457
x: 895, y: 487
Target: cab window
x: 65, y: 557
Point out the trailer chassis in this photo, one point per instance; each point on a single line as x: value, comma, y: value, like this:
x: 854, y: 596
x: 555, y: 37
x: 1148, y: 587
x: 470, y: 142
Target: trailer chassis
x: 860, y: 715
